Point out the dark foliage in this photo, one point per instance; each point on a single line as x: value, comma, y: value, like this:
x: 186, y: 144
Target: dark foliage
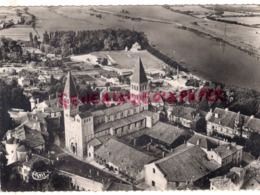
x: 78, y: 42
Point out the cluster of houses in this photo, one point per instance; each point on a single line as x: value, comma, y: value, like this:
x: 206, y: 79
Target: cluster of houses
x: 131, y: 142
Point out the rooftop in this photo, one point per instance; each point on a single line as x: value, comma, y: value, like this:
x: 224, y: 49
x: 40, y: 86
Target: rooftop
x: 226, y: 150
x: 120, y: 122
x: 189, y: 164
x: 124, y: 156
x: 165, y: 132
x: 139, y: 75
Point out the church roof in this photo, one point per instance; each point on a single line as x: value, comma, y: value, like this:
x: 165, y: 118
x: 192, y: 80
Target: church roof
x: 139, y: 75
x: 70, y: 86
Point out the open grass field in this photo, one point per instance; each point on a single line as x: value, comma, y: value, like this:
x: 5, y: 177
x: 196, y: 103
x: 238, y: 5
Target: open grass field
x: 194, y: 8
x: 128, y: 59
x: 244, y: 20
x: 151, y: 11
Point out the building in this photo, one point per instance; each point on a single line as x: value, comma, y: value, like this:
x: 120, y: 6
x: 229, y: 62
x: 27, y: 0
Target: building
x: 233, y: 180
x: 30, y: 133
x: 187, y: 117
x: 231, y: 124
x: 83, y: 176
x: 239, y: 178
x: 139, y: 84
x: 136, y: 47
x: 51, y: 107
x: 187, y: 166
x: 24, y: 81
x: 165, y: 136
x: 25, y: 168
x: 226, y: 154
x: 82, y: 126
x: 123, y: 159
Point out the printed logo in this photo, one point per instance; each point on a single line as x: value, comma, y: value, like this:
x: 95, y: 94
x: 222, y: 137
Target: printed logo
x: 38, y: 176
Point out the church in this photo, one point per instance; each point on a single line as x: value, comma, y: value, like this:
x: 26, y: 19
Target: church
x: 82, y: 127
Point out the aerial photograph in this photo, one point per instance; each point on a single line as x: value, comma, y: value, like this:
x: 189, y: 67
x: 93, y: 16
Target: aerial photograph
x: 130, y: 98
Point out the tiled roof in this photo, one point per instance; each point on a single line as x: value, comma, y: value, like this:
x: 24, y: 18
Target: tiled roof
x: 226, y: 150
x: 94, y: 142
x: 190, y: 164
x: 22, y: 148
x: 34, y: 159
x: 83, y: 169
x: 253, y: 124
x: 226, y: 118
x: 223, y: 183
x: 98, y: 113
x: 139, y: 75
x: 124, y: 156
x: 165, y: 132
x: 53, y: 105
x: 187, y: 113
x: 120, y: 122
x: 120, y: 108
x: 120, y: 187
x: 33, y: 138
x: 203, y: 141
x: 85, y: 114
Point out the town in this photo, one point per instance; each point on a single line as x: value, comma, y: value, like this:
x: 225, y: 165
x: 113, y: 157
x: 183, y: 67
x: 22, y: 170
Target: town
x: 105, y: 110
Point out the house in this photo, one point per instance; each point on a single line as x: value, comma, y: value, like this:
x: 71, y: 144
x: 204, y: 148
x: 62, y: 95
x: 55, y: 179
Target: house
x: 205, y: 142
x: 226, y: 154
x: 187, y: 117
x: 123, y: 159
x: 22, y: 81
x: 136, y: 47
x: 233, y: 180
x: 25, y: 168
x: 51, y: 107
x: 239, y: 178
x: 165, y: 136
x: 114, y: 81
x: 231, y: 124
x: 44, y: 78
x: 188, y: 166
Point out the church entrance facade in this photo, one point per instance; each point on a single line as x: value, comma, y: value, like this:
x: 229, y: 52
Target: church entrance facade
x: 73, y: 147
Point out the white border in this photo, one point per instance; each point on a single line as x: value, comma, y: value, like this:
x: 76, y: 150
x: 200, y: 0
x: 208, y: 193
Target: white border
x: 129, y: 2
x: 119, y: 2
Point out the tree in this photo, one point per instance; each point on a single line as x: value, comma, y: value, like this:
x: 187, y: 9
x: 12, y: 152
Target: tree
x: 107, y: 85
x: 5, y: 120
x: 46, y: 38
x: 31, y: 39
x: 35, y: 41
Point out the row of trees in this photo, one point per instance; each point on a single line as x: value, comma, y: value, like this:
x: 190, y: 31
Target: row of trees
x: 78, y: 42
x: 166, y: 59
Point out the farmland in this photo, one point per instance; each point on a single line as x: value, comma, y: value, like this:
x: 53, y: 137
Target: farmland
x: 196, y: 51
x: 244, y: 20
x: 128, y: 59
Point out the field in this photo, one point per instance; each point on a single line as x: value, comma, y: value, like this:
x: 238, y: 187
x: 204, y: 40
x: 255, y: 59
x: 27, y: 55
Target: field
x: 17, y: 32
x: 128, y: 59
x: 194, y: 8
x: 197, y: 52
x: 244, y: 20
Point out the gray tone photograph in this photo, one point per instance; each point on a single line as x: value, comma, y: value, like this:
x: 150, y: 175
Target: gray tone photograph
x: 129, y: 98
